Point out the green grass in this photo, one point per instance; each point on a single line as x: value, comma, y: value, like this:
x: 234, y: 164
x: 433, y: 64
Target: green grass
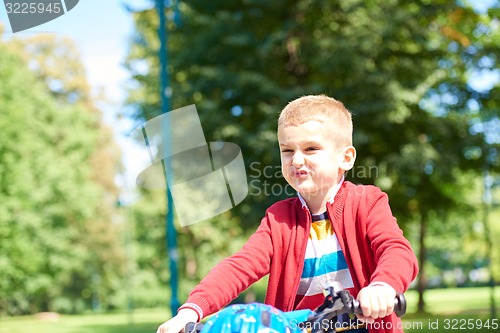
x: 445, y: 306
x: 451, y: 323
x: 452, y: 310
x: 138, y: 321
x: 453, y: 300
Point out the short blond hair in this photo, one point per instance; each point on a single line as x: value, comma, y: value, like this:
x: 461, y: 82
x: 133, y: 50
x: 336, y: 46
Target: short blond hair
x: 324, y: 109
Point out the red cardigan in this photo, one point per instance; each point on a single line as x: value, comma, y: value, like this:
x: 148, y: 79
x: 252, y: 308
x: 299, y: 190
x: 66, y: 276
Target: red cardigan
x: 372, y: 242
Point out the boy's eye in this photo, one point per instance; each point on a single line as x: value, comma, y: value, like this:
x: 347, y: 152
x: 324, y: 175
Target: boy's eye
x: 286, y: 150
x: 311, y: 148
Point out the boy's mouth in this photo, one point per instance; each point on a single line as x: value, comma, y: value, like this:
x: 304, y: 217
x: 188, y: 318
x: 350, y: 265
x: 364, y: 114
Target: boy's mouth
x: 301, y: 173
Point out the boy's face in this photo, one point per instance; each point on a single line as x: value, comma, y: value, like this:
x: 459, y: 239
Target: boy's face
x: 310, y: 160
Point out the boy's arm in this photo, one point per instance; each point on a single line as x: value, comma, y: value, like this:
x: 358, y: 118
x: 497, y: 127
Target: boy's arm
x: 396, y: 264
x: 234, y: 274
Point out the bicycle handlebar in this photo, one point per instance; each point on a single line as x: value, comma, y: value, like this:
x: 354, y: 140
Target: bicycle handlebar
x: 330, y: 309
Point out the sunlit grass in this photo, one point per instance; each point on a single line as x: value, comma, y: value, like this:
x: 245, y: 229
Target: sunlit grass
x: 137, y: 321
x: 453, y: 300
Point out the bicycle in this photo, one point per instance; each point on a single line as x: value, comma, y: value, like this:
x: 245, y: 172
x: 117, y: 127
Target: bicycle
x: 336, y: 303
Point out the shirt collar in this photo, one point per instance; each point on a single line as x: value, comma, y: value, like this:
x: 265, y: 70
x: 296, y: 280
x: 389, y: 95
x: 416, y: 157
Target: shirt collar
x: 332, y: 198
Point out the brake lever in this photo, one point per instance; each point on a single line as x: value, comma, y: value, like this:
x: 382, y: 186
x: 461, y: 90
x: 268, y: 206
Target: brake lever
x: 335, y: 303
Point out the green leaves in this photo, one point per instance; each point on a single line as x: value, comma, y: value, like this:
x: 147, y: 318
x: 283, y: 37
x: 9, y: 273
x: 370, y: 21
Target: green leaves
x: 403, y: 68
x: 51, y: 216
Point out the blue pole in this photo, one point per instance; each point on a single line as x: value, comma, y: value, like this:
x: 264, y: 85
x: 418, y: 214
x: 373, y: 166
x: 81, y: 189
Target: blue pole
x: 171, y: 237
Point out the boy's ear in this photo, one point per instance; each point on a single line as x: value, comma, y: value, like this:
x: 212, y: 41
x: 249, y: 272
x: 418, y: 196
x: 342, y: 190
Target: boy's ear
x: 347, y: 158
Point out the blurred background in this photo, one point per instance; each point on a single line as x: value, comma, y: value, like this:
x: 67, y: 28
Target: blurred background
x: 84, y: 250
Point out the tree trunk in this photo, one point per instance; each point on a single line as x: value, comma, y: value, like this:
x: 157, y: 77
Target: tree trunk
x: 421, y: 282
x: 488, y: 184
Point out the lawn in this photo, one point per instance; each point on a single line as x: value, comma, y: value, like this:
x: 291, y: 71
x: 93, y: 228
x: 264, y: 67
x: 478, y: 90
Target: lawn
x: 453, y: 300
x: 138, y: 321
x: 452, y: 308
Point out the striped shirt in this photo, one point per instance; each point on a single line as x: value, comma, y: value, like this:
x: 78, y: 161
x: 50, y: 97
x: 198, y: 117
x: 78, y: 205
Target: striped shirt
x: 324, y: 261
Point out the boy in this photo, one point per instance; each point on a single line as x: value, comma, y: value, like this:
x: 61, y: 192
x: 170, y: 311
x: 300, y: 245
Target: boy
x: 332, y: 231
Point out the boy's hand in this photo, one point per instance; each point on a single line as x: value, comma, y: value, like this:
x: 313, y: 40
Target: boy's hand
x: 376, y: 301
x: 177, y: 323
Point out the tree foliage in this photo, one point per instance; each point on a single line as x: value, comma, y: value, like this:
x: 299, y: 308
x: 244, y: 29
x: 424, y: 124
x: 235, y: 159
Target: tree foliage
x: 59, y: 247
x: 404, y: 68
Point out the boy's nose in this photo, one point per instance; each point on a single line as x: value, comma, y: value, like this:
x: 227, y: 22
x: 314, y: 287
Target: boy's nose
x: 298, y: 160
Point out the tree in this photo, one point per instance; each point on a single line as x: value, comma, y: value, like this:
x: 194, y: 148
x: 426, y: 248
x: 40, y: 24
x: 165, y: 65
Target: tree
x: 401, y: 67
x: 57, y: 189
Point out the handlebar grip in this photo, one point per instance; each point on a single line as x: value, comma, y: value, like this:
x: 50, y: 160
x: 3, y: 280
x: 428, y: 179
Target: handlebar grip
x: 399, y: 305
x: 193, y: 328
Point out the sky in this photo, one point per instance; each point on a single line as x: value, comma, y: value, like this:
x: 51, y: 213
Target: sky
x: 101, y: 30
